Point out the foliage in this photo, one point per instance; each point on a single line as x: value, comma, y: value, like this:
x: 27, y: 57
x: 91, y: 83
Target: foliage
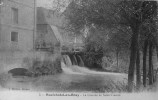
x: 116, y: 87
x: 4, y: 77
x: 89, y: 13
x: 59, y: 5
x: 103, y: 35
x: 42, y: 67
x: 126, y: 21
x: 46, y: 67
x: 92, y: 57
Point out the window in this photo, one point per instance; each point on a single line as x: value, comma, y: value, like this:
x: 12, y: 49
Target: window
x: 15, y: 15
x: 1, y: 2
x: 14, y: 36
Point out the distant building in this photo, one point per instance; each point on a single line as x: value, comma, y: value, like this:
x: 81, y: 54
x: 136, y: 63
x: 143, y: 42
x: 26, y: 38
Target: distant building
x: 17, y: 25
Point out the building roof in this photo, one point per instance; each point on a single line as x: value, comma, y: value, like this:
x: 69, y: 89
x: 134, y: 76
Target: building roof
x: 48, y: 16
x: 56, y: 33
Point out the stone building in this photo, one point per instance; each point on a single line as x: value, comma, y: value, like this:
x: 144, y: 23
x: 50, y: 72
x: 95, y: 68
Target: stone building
x: 17, y: 31
x: 17, y: 25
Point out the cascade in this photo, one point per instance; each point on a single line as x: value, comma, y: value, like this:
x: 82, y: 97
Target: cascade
x: 80, y: 61
x: 68, y: 60
x: 70, y: 68
x: 63, y: 59
x: 75, y: 60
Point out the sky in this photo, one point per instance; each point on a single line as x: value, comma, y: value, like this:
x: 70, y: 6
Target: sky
x: 44, y: 3
x: 47, y: 3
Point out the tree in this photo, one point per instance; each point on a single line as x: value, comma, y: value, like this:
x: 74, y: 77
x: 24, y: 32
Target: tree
x: 138, y: 72
x: 150, y: 63
x: 144, y: 62
x: 119, y: 41
x: 150, y: 36
x: 123, y: 13
x: 142, y: 12
x: 59, y: 5
x: 95, y: 47
x: 130, y: 14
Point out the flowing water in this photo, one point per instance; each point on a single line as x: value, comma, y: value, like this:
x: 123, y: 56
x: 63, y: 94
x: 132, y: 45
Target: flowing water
x: 68, y: 68
x: 73, y: 78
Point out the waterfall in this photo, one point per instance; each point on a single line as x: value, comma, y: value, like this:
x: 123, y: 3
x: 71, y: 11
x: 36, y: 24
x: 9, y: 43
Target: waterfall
x: 63, y: 60
x: 75, y: 60
x: 70, y: 64
x: 67, y: 70
x: 80, y: 61
x: 70, y: 68
x: 67, y: 66
x: 68, y: 61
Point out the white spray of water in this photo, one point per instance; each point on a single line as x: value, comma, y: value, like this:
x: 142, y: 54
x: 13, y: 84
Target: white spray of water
x: 67, y: 60
x: 93, y: 72
x: 68, y: 70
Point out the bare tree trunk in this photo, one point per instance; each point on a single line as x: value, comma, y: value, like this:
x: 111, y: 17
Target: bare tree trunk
x: 133, y: 50
x: 156, y: 71
x: 153, y: 78
x: 144, y: 62
x: 150, y: 64
x: 157, y: 51
x: 117, y: 57
x: 138, y: 83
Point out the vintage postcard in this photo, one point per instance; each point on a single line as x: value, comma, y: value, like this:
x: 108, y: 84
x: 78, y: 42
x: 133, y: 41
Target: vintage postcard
x: 78, y: 49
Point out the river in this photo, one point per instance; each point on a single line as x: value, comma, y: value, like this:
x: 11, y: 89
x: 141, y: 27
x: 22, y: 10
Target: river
x: 72, y: 79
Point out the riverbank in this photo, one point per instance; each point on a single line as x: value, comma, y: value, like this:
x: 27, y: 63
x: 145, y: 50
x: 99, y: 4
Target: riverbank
x: 97, y: 83
x: 74, y: 82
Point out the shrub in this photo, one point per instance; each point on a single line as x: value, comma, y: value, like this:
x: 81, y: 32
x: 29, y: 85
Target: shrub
x: 111, y: 64
x: 4, y: 77
x: 46, y: 67
x: 26, y: 62
x: 116, y: 87
x: 42, y: 63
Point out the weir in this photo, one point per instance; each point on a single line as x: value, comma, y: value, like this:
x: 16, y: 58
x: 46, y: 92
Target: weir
x: 72, y: 63
x: 66, y: 60
x: 69, y: 68
x: 70, y: 60
x: 74, y: 60
x: 80, y: 61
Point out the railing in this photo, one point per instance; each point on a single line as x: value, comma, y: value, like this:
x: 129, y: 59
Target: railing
x: 45, y: 49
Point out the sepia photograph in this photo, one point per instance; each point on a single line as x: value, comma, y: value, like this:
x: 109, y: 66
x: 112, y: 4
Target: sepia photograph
x: 78, y: 49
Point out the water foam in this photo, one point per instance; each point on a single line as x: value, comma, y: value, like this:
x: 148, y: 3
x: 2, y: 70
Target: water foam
x: 68, y: 70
